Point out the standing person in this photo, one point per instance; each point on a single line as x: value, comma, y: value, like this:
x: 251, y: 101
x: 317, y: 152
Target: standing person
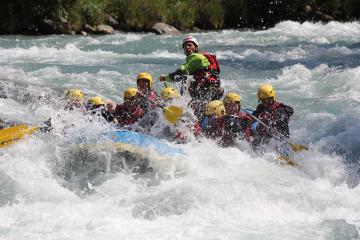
x: 274, y: 114
x: 205, y: 70
x: 128, y: 112
x: 144, y: 83
x: 236, y: 122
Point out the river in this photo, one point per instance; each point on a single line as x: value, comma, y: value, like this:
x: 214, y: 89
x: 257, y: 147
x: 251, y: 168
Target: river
x: 213, y: 192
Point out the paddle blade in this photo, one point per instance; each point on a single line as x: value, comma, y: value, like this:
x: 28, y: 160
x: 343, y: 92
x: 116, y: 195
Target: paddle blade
x: 173, y: 113
x: 298, y: 147
x: 12, y: 134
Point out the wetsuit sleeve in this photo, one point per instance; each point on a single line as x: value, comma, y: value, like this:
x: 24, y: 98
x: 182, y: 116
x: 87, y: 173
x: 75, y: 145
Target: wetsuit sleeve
x: 284, y: 113
x: 193, y: 63
x: 257, y: 111
x: 108, y: 116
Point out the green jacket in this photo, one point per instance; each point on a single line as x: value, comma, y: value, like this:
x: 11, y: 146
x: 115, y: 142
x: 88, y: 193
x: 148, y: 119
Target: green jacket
x: 193, y: 63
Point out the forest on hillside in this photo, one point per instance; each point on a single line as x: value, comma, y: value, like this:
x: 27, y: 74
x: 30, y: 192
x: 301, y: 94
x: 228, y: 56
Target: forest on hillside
x: 71, y: 16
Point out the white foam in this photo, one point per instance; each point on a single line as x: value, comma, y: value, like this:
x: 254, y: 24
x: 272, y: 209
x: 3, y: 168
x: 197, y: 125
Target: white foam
x: 224, y: 193
x: 70, y: 55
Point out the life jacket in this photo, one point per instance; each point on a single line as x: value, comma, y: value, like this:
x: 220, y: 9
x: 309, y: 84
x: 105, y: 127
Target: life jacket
x: 247, y: 121
x: 197, y: 129
x: 214, y: 66
x: 152, y: 95
x: 213, y: 128
x: 207, y: 82
x: 125, y: 117
x: 270, y: 116
x: 209, y: 74
x: 149, y: 105
x: 234, y: 127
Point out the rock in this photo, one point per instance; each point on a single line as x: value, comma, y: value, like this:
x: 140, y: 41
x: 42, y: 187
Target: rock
x: 112, y: 21
x: 48, y: 26
x: 163, y: 28
x: 104, y: 29
x: 63, y: 20
x: 83, y: 33
x: 89, y: 29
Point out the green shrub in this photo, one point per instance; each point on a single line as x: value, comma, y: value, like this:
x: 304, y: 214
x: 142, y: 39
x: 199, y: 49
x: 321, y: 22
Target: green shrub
x: 63, y: 16
x: 137, y: 15
x: 211, y: 14
x: 181, y: 14
x: 92, y: 11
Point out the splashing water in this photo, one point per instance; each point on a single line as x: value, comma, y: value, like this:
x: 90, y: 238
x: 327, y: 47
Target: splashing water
x: 210, y: 192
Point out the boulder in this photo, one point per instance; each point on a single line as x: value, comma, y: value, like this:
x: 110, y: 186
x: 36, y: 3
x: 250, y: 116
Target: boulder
x: 112, y: 21
x: 89, y: 29
x: 104, y: 29
x: 163, y: 28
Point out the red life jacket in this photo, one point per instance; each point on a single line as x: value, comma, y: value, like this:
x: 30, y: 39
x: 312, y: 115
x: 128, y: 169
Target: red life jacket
x: 245, y: 124
x: 215, y: 127
x: 152, y: 95
x: 214, y: 66
x: 210, y: 74
x: 147, y: 105
x: 125, y: 117
x: 246, y: 119
x: 197, y: 129
x: 268, y: 115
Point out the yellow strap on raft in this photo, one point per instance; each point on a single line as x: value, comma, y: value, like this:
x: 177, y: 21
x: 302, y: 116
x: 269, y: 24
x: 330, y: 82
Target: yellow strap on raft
x: 286, y: 160
x: 298, y: 147
x: 12, y: 134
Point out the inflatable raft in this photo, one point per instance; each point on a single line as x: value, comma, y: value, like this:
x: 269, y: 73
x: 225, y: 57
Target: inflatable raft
x: 90, y: 158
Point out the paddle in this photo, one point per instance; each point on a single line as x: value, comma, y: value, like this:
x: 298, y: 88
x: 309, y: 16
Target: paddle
x: 172, y: 113
x: 294, y: 146
x: 12, y: 134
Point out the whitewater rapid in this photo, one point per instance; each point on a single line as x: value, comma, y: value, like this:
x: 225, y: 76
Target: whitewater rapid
x: 211, y: 192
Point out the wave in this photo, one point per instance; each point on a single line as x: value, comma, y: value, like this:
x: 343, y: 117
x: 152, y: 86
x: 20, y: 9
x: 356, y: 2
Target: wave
x: 69, y: 55
x: 286, y: 32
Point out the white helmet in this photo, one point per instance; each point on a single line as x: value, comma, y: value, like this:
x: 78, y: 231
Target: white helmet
x: 190, y: 39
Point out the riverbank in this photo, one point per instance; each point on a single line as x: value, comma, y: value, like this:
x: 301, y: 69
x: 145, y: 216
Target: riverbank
x: 107, y: 16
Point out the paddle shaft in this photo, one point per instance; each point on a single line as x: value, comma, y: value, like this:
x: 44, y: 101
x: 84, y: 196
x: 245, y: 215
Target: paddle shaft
x: 262, y: 123
x: 296, y: 147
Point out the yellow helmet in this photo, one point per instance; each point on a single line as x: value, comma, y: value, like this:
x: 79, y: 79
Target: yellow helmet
x: 169, y: 93
x: 215, y: 107
x: 96, y: 101
x: 266, y: 91
x: 130, y: 92
x: 75, y: 95
x: 231, y: 97
x: 147, y: 76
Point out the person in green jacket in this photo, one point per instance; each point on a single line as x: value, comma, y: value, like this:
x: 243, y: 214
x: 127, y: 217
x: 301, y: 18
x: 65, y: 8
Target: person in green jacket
x: 205, y: 70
